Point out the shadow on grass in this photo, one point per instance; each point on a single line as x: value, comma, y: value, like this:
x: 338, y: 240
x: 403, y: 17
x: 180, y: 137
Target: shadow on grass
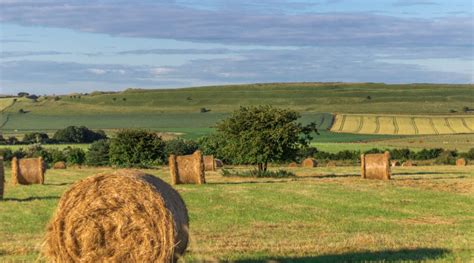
x: 419, y: 173
x: 331, y: 176
x: 419, y: 254
x: 57, y: 184
x: 263, y: 181
x: 31, y: 198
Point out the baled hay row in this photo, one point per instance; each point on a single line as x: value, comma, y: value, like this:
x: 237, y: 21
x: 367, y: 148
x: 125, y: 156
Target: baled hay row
x: 408, y: 164
x: 461, y: 162
x: 209, y: 163
x: 375, y: 166
x: 2, y: 178
x: 293, y: 164
x: 309, y: 162
x: 219, y: 163
x: 126, y: 216
x: 59, y: 165
x: 187, y: 169
x: 28, y: 171
x: 394, y: 163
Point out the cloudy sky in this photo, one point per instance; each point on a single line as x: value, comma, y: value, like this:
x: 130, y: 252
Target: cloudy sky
x: 62, y: 46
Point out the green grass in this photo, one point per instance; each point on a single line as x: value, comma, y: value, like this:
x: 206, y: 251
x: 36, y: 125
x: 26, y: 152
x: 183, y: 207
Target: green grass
x: 324, y: 214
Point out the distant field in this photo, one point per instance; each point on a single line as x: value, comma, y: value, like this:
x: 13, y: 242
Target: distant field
x: 323, y: 215
x: 403, y: 124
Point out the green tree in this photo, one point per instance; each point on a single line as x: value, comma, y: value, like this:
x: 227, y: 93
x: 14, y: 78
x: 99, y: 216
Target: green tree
x: 75, y: 134
x: 35, y: 137
x: 180, y: 147
x: 136, y: 148
x: 98, y: 153
x: 74, y: 155
x: 263, y: 134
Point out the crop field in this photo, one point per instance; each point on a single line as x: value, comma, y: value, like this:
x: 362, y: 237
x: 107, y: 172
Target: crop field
x: 327, y: 215
x: 403, y: 124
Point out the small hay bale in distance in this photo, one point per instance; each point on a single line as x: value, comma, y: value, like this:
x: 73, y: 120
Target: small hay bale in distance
x: 309, y: 162
x: 394, y: 163
x: 375, y: 166
x: 408, y: 164
x: 2, y: 178
x: 187, y: 169
x: 293, y: 164
x: 331, y: 164
x: 28, y: 171
x: 209, y: 163
x: 461, y: 162
x: 126, y: 216
x: 219, y: 163
x: 59, y: 165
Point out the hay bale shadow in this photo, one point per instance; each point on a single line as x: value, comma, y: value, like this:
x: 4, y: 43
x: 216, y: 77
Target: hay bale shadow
x: 418, y: 254
x: 31, y: 198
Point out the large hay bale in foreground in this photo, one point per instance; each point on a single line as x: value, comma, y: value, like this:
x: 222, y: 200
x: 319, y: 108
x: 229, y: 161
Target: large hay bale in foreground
x: 187, y: 169
x: 375, y: 166
x: 2, y: 178
x: 28, y: 171
x: 309, y: 162
x: 219, y: 163
x: 461, y: 162
x: 209, y: 163
x: 126, y: 216
x: 59, y: 165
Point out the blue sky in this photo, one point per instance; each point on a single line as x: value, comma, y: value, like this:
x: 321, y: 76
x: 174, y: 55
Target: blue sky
x: 58, y: 47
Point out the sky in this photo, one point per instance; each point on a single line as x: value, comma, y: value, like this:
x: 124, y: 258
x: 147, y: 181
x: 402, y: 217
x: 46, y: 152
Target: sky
x: 64, y: 46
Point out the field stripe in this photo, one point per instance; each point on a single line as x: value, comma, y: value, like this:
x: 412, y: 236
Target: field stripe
x: 342, y: 122
x: 412, y: 120
x: 433, y: 126
x: 377, y: 124
x: 395, y: 124
x: 361, y: 123
x: 449, y: 125
x: 465, y: 125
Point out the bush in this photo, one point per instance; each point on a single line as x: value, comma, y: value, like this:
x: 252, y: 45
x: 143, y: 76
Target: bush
x: 136, y: 148
x: 74, y: 155
x: 35, y: 137
x: 469, y: 154
x: 401, y: 154
x: 214, y: 144
x: 258, y: 173
x: 7, y: 154
x: 427, y: 154
x: 57, y: 155
x: 98, y: 153
x: 180, y: 147
x: 446, y: 157
x: 74, y: 134
x: 36, y: 150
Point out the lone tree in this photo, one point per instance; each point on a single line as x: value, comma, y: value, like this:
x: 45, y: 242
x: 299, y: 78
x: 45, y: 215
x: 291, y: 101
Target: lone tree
x: 263, y: 134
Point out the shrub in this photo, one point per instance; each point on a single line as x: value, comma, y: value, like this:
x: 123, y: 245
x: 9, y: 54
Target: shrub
x: 36, y: 150
x: 74, y: 134
x: 35, y: 137
x: 446, y: 157
x: 427, y: 154
x: 136, y: 148
x: 74, y: 155
x: 57, y: 155
x: 258, y: 173
x: 180, y: 147
x: 401, y: 154
x: 7, y: 154
x: 469, y: 154
x: 98, y: 153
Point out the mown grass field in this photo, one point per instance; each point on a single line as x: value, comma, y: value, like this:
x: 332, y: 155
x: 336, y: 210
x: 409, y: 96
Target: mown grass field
x: 403, y: 124
x: 323, y: 215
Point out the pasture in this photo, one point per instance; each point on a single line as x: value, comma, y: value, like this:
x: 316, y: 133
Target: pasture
x: 403, y: 124
x: 323, y: 214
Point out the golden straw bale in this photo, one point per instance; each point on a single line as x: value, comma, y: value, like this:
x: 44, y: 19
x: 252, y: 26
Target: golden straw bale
x: 394, y: 163
x: 408, y: 164
x: 219, y: 163
x: 126, y: 216
x: 309, y: 162
x: 461, y: 162
x: 59, y: 165
x: 375, y: 166
x: 187, y: 169
x: 209, y: 163
x: 293, y: 164
x: 28, y: 171
x: 2, y: 178
x: 331, y: 164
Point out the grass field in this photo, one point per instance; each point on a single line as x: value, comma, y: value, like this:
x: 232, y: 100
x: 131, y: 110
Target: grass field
x: 324, y: 214
x: 403, y: 124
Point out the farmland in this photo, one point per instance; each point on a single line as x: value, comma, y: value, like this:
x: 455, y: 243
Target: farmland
x: 403, y: 124
x: 328, y: 214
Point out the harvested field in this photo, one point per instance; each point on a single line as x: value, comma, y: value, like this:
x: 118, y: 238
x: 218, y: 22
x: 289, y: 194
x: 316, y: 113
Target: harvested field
x: 403, y: 124
x: 422, y: 214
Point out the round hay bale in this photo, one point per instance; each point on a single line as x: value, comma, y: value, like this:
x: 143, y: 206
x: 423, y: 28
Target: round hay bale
x: 209, y: 163
x: 59, y: 165
x: 331, y: 164
x: 27, y: 171
x: 408, y: 164
x: 461, y: 162
x: 394, y: 163
x: 309, y: 162
x: 219, y: 163
x: 375, y: 166
x: 293, y: 164
x: 126, y: 216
